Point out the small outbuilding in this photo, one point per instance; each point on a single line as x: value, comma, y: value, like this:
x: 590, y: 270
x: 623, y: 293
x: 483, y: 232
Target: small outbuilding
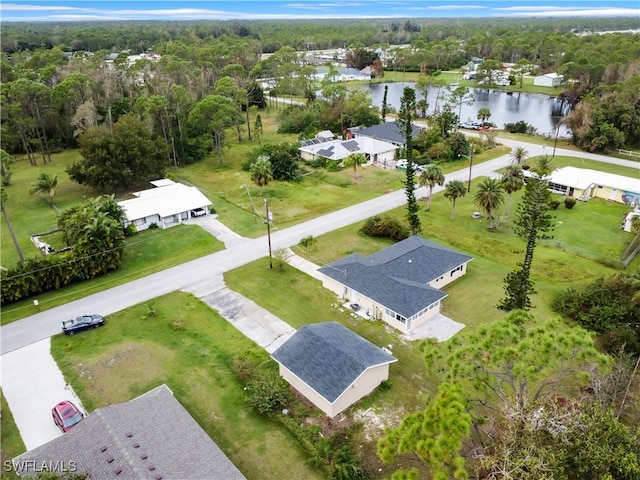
x: 167, y: 204
x: 332, y: 366
x: 548, y: 80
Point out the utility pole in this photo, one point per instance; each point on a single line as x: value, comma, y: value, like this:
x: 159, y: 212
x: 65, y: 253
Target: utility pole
x: 266, y: 206
x: 470, y: 165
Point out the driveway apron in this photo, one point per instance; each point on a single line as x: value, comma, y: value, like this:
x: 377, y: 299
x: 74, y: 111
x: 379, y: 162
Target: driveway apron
x: 32, y: 383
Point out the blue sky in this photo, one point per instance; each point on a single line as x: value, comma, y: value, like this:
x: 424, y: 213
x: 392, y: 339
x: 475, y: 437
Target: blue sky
x: 74, y: 10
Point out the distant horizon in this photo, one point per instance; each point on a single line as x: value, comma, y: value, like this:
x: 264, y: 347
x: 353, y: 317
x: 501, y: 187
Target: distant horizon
x: 190, y: 10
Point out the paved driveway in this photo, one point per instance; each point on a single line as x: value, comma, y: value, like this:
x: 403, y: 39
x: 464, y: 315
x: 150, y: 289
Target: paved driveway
x: 32, y: 384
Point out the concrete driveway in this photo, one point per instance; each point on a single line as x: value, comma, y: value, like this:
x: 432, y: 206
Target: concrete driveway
x: 32, y: 383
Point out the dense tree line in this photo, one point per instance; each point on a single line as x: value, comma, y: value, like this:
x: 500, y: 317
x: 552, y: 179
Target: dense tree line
x: 57, y: 82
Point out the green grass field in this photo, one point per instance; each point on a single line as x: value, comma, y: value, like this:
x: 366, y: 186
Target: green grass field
x: 191, y: 348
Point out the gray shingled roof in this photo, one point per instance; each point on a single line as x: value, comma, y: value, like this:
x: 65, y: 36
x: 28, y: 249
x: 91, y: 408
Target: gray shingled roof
x: 150, y: 437
x: 389, y: 131
x: 329, y: 357
x: 397, y: 276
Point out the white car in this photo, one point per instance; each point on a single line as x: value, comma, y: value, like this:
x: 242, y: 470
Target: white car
x: 402, y: 165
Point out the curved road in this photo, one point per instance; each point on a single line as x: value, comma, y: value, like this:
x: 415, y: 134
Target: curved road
x: 45, y: 324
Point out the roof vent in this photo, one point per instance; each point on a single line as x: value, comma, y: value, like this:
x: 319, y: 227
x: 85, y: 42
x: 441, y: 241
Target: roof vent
x: 136, y: 445
x: 158, y: 477
x: 110, y: 460
x: 103, y: 449
x: 129, y: 434
x: 143, y: 456
x: 119, y: 471
x: 151, y: 468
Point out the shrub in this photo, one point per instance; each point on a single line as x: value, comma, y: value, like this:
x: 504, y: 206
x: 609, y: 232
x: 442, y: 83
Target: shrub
x: 268, y: 393
x: 281, y: 257
x: 520, y: 127
x: 153, y: 226
x: 334, y: 165
x: 569, y: 202
x: 308, y: 243
x: 385, y: 227
x: 553, y: 203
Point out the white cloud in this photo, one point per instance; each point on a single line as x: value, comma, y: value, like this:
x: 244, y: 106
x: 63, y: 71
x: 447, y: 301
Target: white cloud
x: 575, y: 12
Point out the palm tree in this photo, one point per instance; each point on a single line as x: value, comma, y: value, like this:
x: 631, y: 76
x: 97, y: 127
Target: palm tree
x: 453, y: 190
x: 512, y: 180
x: 519, y: 155
x: 355, y: 160
x: 3, y: 201
x: 261, y: 172
x: 483, y: 114
x: 430, y: 177
x: 489, y: 197
x: 45, y: 184
x: 543, y: 166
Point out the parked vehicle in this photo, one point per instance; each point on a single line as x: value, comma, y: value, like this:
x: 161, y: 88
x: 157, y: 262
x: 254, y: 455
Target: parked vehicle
x: 84, y: 322
x: 402, y: 165
x: 470, y: 125
x: 66, y: 415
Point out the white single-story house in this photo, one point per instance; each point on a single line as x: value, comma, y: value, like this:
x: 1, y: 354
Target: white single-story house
x: 376, y: 151
x: 167, y: 204
x: 584, y: 183
x: 400, y: 284
x: 332, y: 366
x: 149, y: 437
x: 343, y: 74
x: 390, y: 132
x: 548, y: 80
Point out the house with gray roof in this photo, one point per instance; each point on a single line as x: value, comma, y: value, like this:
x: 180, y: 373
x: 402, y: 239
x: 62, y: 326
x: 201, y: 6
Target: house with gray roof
x: 151, y: 437
x: 400, y: 284
x: 390, y: 132
x: 332, y: 366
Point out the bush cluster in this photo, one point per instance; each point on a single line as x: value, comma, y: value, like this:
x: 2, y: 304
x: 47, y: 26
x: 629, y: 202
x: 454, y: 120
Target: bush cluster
x: 607, y: 306
x: 385, y: 227
x: 520, y: 127
x: 42, y: 274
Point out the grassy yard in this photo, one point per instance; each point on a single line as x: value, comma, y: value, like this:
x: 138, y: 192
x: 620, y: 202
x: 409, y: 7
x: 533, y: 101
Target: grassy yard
x: 191, y: 348
x: 146, y: 253
x: 10, y: 440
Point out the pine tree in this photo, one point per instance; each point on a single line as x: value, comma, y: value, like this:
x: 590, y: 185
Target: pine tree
x: 407, y: 108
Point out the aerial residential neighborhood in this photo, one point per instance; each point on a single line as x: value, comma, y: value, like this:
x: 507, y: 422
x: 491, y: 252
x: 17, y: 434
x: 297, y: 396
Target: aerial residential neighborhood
x: 266, y: 241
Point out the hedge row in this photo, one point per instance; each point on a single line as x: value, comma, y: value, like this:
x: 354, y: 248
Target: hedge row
x: 42, y: 274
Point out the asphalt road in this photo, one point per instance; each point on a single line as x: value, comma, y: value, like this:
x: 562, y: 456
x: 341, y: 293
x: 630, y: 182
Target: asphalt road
x: 47, y: 323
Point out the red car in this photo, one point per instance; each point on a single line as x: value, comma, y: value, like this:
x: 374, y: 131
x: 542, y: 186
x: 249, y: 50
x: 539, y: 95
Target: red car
x: 66, y: 415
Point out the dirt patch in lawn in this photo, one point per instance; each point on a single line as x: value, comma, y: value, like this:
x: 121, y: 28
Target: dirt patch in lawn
x: 112, y: 376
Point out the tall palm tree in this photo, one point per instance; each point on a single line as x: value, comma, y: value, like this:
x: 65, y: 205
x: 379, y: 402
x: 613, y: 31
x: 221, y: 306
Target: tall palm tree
x: 489, y: 197
x: 261, y: 172
x: 512, y: 180
x: 430, y: 177
x: 454, y: 190
x: 45, y: 184
x: 3, y: 201
x: 519, y: 155
x: 355, y: 160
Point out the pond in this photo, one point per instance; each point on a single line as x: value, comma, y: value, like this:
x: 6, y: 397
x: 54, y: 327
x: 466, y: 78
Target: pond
x: 541, y: 111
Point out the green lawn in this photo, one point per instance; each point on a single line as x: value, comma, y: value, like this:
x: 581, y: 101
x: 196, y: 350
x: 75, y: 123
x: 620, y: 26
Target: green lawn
x: 191, y: 348
x: 146, y: 253
x: 10, y: 440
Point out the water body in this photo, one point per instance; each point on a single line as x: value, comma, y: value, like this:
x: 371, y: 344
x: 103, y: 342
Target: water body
x: 541, y: 111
